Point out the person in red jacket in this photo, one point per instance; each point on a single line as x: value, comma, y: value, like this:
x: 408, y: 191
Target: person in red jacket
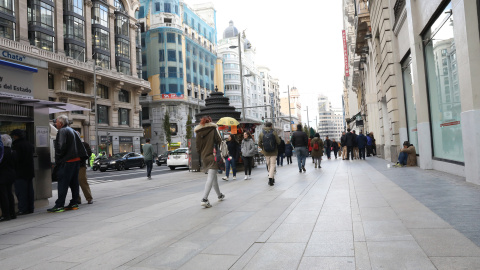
x: 310, y: 148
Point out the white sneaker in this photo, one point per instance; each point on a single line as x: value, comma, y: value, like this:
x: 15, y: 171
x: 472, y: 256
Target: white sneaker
x: 225, y: 178
x: 234, y: 178
x: 249, y: 177
x: 206, y: 203
x: 221, y: 198
x: 246, y: 177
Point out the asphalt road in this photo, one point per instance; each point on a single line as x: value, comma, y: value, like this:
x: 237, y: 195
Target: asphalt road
x: 98, y: 177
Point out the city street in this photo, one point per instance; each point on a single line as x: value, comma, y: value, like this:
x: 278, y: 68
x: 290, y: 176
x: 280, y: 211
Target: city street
x: 347, y: 215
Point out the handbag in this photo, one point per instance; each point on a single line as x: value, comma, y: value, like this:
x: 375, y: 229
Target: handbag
x: 219, y: 159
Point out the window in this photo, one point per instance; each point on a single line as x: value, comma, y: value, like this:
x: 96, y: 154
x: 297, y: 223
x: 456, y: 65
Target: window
x: 141, y: 13
x: 102, y: 91
x: 51, y: 81
x: 100, y: 14
x: 7, y: 6
x: 176, y: 9
x: 170, y: 37
x: 121, y: 25
x: 180, y: 58
x: 100, y: 39
x: 123, y: 67
x: 166, y: 8
x: 124, y: 96
x: 41, y: 14
x: 172, y: 55
x: 445, y: 113
x: 7, y: 28
x: 179, y: 39
x: 102, y: 60
x: 41, y: 40
x: 102, y: 117
x: 73, y: 28
x: 157, y: 7
x: 160, y: 38
x: 173, y: 88
x: 123, y: 116
x: 180, y: 73
x: 162, y: 72
x: 75, y: 85
x: 122, y: 48
x: 172, y: 72
x: 163, y: 88
x: 75, y: 51
x: 75, y: 6
x: 161, y: 55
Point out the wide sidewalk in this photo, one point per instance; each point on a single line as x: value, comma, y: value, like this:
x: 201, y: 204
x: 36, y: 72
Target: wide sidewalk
x: 347, y: 215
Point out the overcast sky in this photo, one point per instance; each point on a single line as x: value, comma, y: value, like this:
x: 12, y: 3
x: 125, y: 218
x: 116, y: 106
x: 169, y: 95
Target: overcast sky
x: 300, y: 41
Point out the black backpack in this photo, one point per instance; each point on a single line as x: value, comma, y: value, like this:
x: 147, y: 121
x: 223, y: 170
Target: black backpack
x: 269, y: 142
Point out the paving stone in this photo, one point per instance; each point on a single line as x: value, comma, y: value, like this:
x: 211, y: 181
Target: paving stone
x: 449, y: 263
x: 292, y: 233
x: 344, y: 263
x: 362, y: 257
x: 277, y: 256
x: 445, y: 242
x: 398, y: 255
x: 330, y: 249
x: 209, y: 262
x: 386, y: 231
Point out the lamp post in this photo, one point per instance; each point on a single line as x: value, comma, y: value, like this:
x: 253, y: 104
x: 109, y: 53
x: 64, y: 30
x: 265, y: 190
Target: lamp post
x: 241, y: 75
x: 308, y: 122
x: 96, y: 108
x: 289, y: 112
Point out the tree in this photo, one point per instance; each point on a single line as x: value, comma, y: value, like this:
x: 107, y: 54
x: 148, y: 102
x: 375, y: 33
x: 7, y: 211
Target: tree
x: 305, y: 129
x: 312, y: 132
x: 166, y: 128
x: 189, y: 127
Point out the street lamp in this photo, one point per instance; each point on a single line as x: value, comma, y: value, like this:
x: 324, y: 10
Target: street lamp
x: 241, y: 74
x: 308, y: 122
x: 95, y: 68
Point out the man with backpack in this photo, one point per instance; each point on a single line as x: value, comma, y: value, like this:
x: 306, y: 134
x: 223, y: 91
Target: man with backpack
x: 269, y: 142
x: 300, y: 143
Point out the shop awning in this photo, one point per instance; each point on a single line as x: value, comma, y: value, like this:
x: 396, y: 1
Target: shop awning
x: 53, y: 107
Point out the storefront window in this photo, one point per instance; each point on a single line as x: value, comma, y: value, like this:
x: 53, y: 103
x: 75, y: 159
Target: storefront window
x: 445, y: 109
x: 102, y: 114
x: 123, y: 116
x: 410, y: 103
x: 75, y: 85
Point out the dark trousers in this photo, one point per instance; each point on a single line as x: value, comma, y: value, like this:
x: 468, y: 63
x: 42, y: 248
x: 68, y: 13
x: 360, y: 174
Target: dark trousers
x: 149, y: 164
x: 289, y: 159
x: 349, y: 152
x: 25, y: 195
x: 280, y: 159
x: 68, y: 177
x: 247, y: 164
x: 7, y: 202
x: 369, y: 150
x: 329, y: 151
x: 402, y: 158
x: 335, y: 153
x: 361, y: 152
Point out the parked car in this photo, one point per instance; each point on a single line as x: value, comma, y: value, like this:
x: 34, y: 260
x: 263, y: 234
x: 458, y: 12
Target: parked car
x: 178, y: 158
x: 162, y: 159
x: 122, y: 161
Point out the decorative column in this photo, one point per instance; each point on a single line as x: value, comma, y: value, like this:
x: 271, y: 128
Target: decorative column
x: 59, y: 44
x: 22, y: 25
x: 111, y: 16
x: 133, y: 51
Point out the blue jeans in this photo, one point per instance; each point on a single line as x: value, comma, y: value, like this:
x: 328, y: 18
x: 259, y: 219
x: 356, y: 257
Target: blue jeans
x: 149, y: 164
x: 302, y: 154
x: 68, y: 177
x: 25, y: 195
x: 280, y: 159
x: 231, y: 163
x: 402, y: 158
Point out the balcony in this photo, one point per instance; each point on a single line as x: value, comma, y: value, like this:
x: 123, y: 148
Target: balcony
x: 172, y: 25
x: 350, y: 12
x: 363, y: 26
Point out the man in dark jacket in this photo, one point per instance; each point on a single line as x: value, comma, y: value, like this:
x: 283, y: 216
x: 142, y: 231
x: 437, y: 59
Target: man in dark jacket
x: 281, y: 152
x: 355, y: 146
x: 300, y: 143
x: 350, y: 142
x: 69, y: 151
x: 361, y: 143
x: 343, y: 144
x: 328, y: 146
x: 24, y: 171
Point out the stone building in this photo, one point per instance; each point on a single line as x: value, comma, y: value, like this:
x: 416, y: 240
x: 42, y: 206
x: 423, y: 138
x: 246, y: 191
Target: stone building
x: 414, y: 83
x: 48, y: 53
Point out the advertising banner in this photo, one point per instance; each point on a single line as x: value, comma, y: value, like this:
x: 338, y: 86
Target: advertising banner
x: 345, y: 53
x: 16, y: 83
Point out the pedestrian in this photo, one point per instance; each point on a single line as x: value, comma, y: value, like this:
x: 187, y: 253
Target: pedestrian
x: 82, y: 176
x: 328, y: 146
x: 92, y: 160
x: 281, y: 152
x: 355, y: 145
x: 148, y: 157
x: 269, y: 142
x: 310, y: 148
x: 300, y: 143
x: 24, y: 172
x: 231, y: 161
x: 248, y: 151
x: 349, y: 142
x: 288, y: 152
x: 361, y: 143
x: 207, y: 139
x: 7, y: 172
x: 369, y: 145
x: 374, y: 145
x: 407, y: 156
x: 69, y: 151
x: 343, y: 144
x: 335, y: 148
x: 317, y: 150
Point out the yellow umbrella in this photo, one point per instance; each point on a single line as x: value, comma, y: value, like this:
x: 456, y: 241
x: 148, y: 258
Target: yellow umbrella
x: 227, y: 121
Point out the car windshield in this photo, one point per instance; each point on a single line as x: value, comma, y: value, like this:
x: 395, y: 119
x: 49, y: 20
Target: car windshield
x: 118, y: 155
x: 179, y: 152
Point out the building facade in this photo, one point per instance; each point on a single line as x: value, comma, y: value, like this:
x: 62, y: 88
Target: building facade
x: 179, y: 60
x: 415, y: 84
x: 295, y: 106
x: 50, y: 50
x: 330, y: 120
x: 271, y: 97
x: 252, y: 89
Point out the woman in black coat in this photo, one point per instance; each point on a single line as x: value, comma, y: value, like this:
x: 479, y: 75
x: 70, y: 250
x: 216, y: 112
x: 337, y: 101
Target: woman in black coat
x: 7, y: 172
